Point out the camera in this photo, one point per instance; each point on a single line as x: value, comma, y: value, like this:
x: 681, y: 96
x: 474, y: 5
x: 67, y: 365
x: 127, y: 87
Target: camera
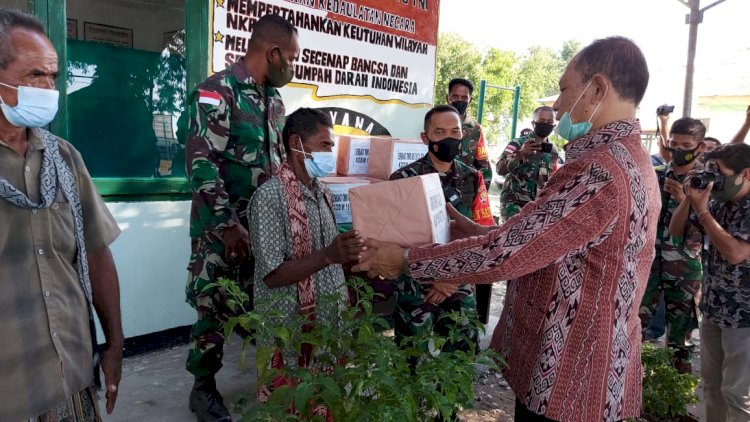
x: 664, y: 109
x: 546, y: 147
x: 701, y: 180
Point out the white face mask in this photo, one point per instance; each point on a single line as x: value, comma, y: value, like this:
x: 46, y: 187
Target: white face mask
x: 322, y: 163
x: 36, y: 106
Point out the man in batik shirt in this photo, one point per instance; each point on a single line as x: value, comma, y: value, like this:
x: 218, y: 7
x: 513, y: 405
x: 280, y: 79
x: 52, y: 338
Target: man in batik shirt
x: 233, y: 147
x: 725, y: 300
x: 577, y: 257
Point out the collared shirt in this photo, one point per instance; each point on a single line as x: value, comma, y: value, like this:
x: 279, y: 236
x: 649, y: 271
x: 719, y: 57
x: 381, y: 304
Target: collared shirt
x: 578, y: 259
x: 524, y: 177
x: 725, y: 299
x: 474, y: 149
x: 46, y: 351
x: 271, y: 239
x: 234, y: 145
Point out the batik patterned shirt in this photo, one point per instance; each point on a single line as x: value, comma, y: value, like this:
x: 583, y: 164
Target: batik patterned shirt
x: 271, y: 238
x: 726, y: 287
x: 578, y: 259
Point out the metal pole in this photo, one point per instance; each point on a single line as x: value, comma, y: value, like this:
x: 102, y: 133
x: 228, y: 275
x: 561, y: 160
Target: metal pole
x: 516, y: 103
x: 480, y: 106
x: 694, y: 20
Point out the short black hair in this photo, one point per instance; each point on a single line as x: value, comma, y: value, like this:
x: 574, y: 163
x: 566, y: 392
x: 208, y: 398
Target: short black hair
x: 621, y: 61
x: 272, y: 28
x: 11, y: 19
x: 542, y: 108
x: 734, y: 156
x: 689, y: 126
x: 461, y: 81
x: 304, y: 122
x: 711, y: 139
x: 439, y: 109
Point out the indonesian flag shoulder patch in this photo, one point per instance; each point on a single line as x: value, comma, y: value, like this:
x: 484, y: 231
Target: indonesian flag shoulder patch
x: 208, y: 97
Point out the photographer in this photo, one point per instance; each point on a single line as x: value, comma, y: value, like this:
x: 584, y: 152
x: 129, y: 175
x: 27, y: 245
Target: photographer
x: 676, y: 271
x: 527, y: 163
x: 725, y: 302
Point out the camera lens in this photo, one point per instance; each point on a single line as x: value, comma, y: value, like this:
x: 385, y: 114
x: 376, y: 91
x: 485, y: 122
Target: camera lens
x: 699, y: 182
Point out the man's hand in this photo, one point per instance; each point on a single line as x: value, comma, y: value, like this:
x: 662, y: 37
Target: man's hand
x: 747, y: 116
x: 111, y: 361
x: 236, y: 243
x: 530, y: 147
x: 439, y: 292
x: 381, y: 259
x: 675, y: 189
x: 462, y: 227
x: 346, y: 247
x: 699, y: 198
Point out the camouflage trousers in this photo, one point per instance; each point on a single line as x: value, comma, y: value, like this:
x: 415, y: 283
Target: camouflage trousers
x: 414, y: 317
x: 207, y: 334
x: 681, y: 295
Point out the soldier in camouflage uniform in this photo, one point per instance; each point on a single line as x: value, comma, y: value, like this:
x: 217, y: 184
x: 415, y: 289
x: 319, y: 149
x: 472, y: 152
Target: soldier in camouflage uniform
x: 525, y: 166
x: 419, y: 307
x: 234, y: 145
x: 677, y: 271
x: 473, y: 145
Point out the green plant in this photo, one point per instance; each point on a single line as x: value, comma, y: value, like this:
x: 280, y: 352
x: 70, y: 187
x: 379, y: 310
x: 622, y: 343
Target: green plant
x: 666, y: 392
x: 359, y: 374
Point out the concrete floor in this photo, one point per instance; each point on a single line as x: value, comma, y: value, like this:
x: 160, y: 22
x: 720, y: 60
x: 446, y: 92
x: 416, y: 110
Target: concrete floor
x: 155, y: 386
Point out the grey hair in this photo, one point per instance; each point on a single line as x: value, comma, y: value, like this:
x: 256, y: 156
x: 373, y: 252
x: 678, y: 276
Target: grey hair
x: 9, y: 20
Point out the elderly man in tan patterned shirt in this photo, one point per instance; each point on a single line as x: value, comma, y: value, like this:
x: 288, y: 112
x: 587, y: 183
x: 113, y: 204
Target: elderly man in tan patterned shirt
x: 54, y: 237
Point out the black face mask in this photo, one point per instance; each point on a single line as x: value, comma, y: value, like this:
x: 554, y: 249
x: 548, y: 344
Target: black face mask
x: 542, y: 129
x: 445, y: 150
x: 461, y: 106
x: 680, y: 157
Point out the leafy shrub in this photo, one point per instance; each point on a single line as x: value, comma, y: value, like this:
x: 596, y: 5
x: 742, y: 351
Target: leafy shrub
x: 666, y: 392
x: 359, y: 374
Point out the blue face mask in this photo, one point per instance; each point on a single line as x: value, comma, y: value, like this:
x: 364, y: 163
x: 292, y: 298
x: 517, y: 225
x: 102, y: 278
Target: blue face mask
x: 572, y: 131
x: 322, y: 163
x: 36, y: 106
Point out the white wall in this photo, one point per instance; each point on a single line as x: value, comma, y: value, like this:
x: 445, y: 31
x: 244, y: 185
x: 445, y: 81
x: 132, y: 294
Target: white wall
x: 151, y: 256
x: 149, y: 19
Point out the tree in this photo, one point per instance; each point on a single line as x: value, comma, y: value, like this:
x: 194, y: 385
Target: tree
x: 456, y: 58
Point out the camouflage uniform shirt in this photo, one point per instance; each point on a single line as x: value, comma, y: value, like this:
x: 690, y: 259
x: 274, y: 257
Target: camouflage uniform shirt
x: 234, y: 145
x: 726, y: 288
x: 523, y: 177
x: 474, y: 149
x: 676, y: 258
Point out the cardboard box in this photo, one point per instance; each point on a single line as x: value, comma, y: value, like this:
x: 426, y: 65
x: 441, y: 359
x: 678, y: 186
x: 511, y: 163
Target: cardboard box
x: 388, y: 155
x: 409, y: 212
x: 353, y: 154
x: 339, y: 187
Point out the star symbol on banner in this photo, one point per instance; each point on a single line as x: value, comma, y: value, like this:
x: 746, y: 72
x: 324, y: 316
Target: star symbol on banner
x: 218, y: 37
x: 219, y: 3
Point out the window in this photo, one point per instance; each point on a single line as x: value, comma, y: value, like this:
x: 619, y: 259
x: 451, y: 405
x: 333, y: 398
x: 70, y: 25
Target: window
x: 126, y: 91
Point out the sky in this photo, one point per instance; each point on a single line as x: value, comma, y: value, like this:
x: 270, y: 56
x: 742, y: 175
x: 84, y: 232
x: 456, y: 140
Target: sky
x: 657, y: 26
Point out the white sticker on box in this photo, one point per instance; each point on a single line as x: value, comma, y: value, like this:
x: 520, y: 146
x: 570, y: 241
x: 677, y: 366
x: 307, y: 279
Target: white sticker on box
x: 436, y: 206
x: 359, y: 154
x: 342, y: 210
x: 406, y: 153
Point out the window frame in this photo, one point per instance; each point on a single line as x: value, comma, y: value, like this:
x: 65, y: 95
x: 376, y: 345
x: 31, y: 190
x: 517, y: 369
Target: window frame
x: 53, y: 15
